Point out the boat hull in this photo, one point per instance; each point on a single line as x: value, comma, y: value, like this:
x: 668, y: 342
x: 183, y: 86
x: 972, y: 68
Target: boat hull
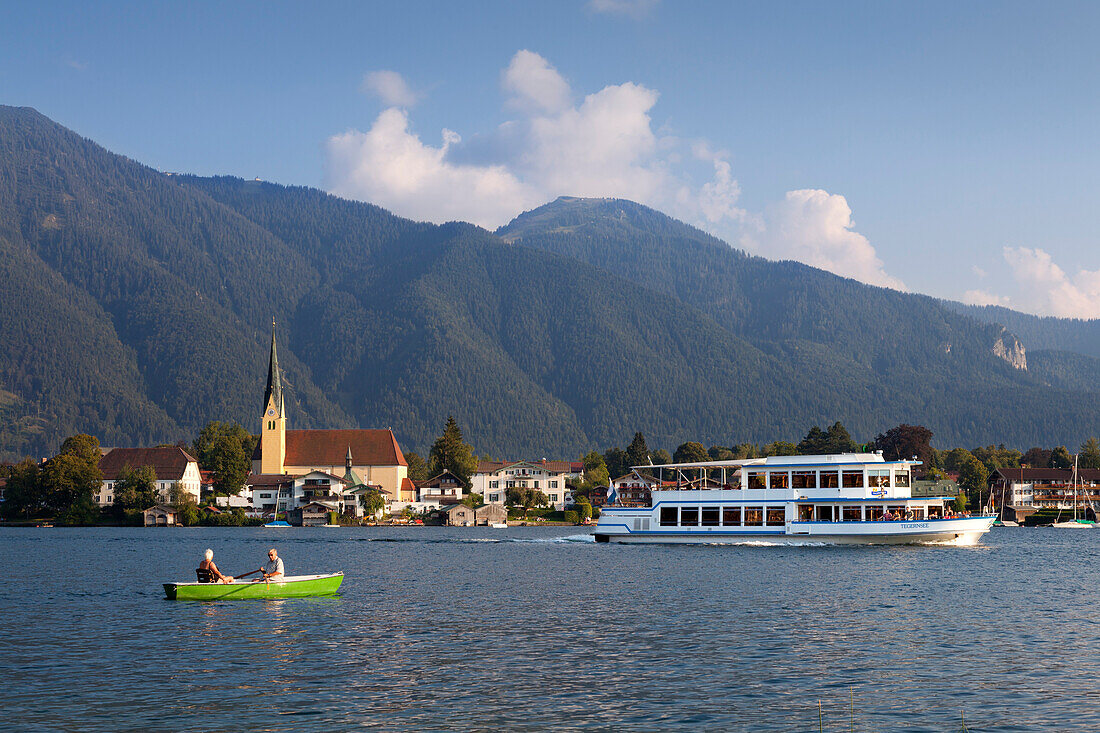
x: 961, y: 532
x: 294, y: 586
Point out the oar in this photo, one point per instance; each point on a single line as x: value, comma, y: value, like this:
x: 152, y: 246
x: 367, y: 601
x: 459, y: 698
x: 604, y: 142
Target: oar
x: 245, y: 575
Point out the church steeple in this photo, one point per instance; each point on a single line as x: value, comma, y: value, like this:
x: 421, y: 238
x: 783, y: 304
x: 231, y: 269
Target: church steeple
x: 274, y: 391
x: 273, y: 429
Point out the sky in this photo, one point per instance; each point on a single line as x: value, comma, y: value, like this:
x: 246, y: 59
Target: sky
x: 941, y: 148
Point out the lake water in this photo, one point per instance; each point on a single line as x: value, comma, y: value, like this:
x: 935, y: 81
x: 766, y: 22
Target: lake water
x: 541, y: 628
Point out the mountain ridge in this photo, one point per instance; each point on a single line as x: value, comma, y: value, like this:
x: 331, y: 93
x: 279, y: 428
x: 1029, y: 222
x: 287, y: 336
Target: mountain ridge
x: 139, y: 305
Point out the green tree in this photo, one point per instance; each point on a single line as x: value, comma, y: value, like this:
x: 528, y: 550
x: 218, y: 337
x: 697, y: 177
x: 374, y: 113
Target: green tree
x: 1036, y: 458
x: 1089, y: 456
x: 956, y: 458
x: 998, y: 457
x: 905, y: 442
x: 618, y: 463
x: 836, y: 439
x: 372, y: 502
x: 637, y: 453
x: 748, y: 450
x: 780, y: 448
x: 187, y: 509
x: 973, y: 477
x: 72, y: 476
x: 595, y: 469
x: 451, y: 453
x: 135, y: 489
x: 1060, y: 458
x: 225, y: 449
x: 584, y: 510
x: 418, y: 468
x: 690, y: 452
x: 539, y: 498
x: 720, y: 453
x: 473, y: 500
x: 661, y: 457
x: 24, y: 496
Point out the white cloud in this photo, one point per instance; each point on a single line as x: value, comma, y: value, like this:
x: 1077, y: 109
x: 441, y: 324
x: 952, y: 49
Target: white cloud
x: 535, y: 84
x: 633, y: 8
x: 1046, y: 289
x: 815, y: 227
x: 605, y: 146
x: 390, y: 166
x: 390, y: 87
x: 981, y: 297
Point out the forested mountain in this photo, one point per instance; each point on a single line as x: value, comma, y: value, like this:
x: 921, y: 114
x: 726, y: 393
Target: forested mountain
x: 136, y: 305
x: 1039, y: 332
x: 903, y: 357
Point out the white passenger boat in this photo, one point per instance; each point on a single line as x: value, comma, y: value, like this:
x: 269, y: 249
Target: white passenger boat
x: 849, y: 498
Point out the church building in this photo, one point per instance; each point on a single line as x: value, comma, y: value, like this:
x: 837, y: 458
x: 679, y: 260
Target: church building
x: 373, y: 455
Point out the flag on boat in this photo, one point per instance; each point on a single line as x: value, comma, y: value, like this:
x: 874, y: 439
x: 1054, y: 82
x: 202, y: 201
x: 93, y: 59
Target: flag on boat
x: 612, y: 497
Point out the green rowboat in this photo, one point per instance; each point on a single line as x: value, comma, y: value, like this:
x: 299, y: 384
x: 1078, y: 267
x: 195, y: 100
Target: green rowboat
x: 292, y: 586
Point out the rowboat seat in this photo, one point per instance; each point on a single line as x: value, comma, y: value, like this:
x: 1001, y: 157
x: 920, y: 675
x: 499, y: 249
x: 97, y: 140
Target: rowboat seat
x: 204, y: 576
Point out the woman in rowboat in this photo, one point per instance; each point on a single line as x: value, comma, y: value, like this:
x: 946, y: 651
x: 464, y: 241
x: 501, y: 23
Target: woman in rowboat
x: 208, y: 565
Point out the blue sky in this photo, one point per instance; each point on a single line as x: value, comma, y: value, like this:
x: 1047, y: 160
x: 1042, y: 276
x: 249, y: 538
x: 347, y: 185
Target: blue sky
x: 946, y: 148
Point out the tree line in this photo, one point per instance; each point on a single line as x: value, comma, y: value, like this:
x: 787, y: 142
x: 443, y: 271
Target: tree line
x: 63, y: 487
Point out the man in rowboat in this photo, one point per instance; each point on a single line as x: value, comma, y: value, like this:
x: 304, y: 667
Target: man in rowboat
x: 273, y: 570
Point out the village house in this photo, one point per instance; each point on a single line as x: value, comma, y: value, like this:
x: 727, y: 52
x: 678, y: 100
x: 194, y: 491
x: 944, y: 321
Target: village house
x: 364, y: 457
x: 493, y: 479
x: 1017, y: 492
x: 440, y: 490
x: 172, y: 465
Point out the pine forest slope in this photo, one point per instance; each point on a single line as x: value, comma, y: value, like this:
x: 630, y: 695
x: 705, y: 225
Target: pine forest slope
x: 137, y: 306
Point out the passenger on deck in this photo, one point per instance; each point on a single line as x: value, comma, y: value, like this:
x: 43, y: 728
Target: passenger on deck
x: 211, y: 570
x: 273, y: 570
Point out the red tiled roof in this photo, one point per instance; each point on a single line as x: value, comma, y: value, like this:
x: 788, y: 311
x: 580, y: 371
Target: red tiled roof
x: 1024, y: 475
x: 329, y: 447
x: 257, y: 480
x: 435, y: 481
x: 168, y: 463
x: 407, y: 484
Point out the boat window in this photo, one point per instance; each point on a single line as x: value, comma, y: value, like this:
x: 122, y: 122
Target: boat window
x: 901, y: 478
x: 824, y: 512
x: 874, y: 513
x: 754, y: 516
x: 935, y: 512
x: 877, y: 477
x: 852, y: 479
x: 918, y: 512
x: 897, y: 510
x: 731, y: 516
x: 804, y: 479
x: 805, y: 512
x: 710, y: 516
x: 669, y: 516
x: 853, y: 513
x: 777, y: 516
x: 830, y: 480
x: 756, y: 480
x: 689, y: 516
x: 779, y: 479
